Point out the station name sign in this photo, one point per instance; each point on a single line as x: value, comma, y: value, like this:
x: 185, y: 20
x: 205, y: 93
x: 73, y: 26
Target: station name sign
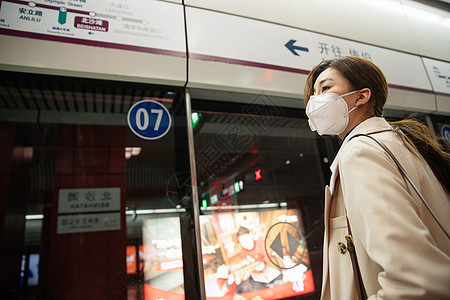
x: 88, y: 210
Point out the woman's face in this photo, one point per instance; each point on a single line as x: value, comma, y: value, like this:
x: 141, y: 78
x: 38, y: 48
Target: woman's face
x: 331, y: 81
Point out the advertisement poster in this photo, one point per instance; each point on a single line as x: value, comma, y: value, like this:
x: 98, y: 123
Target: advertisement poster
x: 246, y: 255
x: 163, y: 263
x: 256, y: 254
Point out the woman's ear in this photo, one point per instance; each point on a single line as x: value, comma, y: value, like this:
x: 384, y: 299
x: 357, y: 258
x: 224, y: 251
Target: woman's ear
x: 364, y: 96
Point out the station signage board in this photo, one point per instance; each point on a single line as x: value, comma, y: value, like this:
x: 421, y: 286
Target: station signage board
x: 88, y: 210
x: 88, y: 200
x: 79, y: 223
x: 145, y: 26
x: 250, y: 42
x: 439, y: 73
x: 149, y: 119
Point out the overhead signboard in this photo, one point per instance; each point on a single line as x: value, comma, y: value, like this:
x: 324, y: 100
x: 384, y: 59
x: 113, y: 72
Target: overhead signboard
x: 238, y: 40
x: 147, y: 26
x: 439, y: 73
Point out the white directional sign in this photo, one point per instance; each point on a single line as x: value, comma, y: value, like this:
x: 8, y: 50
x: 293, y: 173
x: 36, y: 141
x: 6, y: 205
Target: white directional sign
x: 439, y: 73
x: 250, y: 42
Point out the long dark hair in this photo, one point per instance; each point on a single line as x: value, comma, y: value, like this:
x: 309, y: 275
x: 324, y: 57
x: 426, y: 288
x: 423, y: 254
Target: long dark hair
x: 362, y: 73
x: 417, y: 137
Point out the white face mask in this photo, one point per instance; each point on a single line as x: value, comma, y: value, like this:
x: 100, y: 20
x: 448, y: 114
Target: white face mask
x: 328, y: 113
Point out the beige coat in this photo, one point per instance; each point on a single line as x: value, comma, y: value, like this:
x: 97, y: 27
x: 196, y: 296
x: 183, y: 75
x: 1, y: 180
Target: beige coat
x: 402, y: 252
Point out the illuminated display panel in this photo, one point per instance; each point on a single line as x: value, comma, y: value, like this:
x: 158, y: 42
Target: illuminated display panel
x: 131, y: 260
x: 33, y: 270
x: 255, y: 254
x: 163, y: 263
x: 247, y: 253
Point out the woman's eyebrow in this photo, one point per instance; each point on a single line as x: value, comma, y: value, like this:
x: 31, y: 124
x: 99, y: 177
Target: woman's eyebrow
x: 322, y: 82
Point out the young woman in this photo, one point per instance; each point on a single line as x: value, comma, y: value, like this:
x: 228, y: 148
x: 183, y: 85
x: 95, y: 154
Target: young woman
x: 402, y: 251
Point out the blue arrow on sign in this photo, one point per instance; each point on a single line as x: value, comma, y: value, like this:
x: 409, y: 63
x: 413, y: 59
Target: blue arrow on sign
x: 290, y: 45
x: 149, y: 119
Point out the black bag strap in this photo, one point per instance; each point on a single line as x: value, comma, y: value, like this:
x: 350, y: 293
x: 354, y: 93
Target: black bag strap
x: 360, y: 289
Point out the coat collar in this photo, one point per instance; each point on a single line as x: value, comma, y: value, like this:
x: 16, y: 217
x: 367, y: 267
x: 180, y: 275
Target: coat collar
x: 371, y: 125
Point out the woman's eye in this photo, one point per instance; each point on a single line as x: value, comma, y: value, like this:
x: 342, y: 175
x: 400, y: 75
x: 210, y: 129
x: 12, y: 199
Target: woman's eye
x: 324, y: 88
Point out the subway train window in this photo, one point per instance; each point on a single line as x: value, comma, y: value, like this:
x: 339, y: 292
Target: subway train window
x: 91, y: 209
x: 260, y: 180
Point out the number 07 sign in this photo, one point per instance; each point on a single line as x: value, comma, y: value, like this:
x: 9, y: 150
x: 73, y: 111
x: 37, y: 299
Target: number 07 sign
x: 149, y: 119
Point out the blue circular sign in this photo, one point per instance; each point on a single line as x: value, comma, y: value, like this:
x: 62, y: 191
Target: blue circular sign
x: 445, y: 133
x: 149, y: 119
